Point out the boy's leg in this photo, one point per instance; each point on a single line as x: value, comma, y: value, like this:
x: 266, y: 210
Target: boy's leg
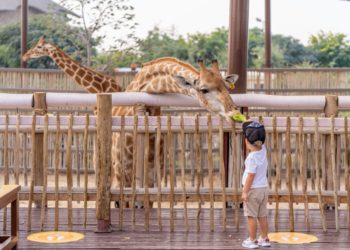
x: 252, y: 227
x: 263, y: 226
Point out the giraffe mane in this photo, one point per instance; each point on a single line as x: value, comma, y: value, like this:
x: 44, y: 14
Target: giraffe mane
x: 170, y: 59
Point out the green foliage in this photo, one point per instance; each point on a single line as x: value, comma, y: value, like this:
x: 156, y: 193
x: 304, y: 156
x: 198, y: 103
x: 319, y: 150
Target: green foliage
x: 332, y: 50
x: 56, y: 31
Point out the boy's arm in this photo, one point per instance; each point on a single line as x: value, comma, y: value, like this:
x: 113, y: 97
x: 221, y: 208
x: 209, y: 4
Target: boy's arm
x: 248, y: 183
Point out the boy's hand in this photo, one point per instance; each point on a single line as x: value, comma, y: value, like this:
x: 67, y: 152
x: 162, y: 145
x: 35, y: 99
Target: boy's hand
x: 244, y: 196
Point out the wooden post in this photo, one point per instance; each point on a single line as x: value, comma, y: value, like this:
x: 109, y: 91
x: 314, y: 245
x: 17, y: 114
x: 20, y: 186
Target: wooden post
x: 24, y: 30
x: 330, y: 109
x: 104, y: 162
x: 237, y: 56
x: 40, y: 108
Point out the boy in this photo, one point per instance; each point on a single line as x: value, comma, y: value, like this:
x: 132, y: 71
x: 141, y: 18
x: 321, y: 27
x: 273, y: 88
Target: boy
x: 255, y: 185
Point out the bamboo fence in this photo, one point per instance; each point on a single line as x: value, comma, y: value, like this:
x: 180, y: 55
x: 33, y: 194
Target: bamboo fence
x: 292, y: 169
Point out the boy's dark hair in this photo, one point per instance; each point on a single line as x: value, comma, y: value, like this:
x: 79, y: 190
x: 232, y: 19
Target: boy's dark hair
x: 254, y: 132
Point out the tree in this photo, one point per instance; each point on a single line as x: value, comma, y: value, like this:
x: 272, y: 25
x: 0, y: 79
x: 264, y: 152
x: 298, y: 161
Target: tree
x: 56, y: 31
x: 332, y: 50
x: 100, y: 20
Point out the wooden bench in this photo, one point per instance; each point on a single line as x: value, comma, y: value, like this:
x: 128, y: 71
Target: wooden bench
x: 9, y: 194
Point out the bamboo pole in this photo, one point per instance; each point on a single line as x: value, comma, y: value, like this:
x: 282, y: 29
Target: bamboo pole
x: 85, y: 165
x: 289, y: 176
x: 57, y: 164
x: 318, y: 182
x: 171, y: 169
x: 6, y: 165
x: 122, y: 174
x: 302, y: 173
x: 134, y: 165
x: 198, y: 164
x: 69, y: 171
x: 104, y: 162
x: 278, y: 169
x: 45, y: 166
x: 159, y: 174
x: 210, y: 169
x: 223, y: 173
x: 18, y: 155
x: 183, y: 162
x: 235, y: 172
x: 32, y: 175
x: 335, y: 181
x: 346, y: 166
x: 146, y: 174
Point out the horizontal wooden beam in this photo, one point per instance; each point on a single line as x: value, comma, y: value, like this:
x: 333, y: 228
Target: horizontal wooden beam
x: 191, y: 195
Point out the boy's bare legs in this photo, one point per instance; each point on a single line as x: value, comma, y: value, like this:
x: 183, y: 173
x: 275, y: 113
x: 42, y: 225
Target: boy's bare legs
x: 252, y: 227
x: 263, y: 226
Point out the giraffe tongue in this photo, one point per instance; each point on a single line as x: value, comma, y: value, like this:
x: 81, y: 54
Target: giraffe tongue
x: 238, y: 118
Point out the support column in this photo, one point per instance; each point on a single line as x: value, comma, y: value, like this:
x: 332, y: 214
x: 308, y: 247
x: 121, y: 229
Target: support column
x: 103, y: 162
x: 24, y: 30
x: 40, y: 108
x: 268, y: 60
x: 330, y: 109
x: 237, y: 55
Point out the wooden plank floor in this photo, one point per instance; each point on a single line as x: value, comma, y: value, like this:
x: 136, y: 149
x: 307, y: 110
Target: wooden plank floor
x: 136, y: 237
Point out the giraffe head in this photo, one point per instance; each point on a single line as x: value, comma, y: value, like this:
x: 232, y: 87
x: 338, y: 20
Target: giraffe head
x: 211, y: 90
x: 39, y: 49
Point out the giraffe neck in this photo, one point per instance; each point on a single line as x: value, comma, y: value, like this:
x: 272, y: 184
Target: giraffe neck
x: 89, y: 79
x: 157, y: 76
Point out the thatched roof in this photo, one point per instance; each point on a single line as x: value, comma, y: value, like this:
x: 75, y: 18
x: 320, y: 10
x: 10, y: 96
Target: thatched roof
x: 45, y: 6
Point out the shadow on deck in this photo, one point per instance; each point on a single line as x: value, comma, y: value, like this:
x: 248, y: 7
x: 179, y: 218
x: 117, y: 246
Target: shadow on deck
x: 135, y: 237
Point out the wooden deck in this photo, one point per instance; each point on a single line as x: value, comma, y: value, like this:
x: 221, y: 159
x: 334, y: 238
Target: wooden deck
x: 137, y: 238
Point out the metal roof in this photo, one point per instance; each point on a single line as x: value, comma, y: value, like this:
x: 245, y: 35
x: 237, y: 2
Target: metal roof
x: 46, y: 6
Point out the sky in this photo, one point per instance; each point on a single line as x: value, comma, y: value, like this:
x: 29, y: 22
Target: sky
x: 297, y: 18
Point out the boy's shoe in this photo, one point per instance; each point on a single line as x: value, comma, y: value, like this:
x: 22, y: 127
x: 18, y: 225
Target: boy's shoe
x: 252, y: 244
x: 264, y: 242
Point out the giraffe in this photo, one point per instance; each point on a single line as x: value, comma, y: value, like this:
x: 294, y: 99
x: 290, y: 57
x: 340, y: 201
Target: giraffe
x: 163, y: 75
x: 169, y: 75
x: 89, y: 79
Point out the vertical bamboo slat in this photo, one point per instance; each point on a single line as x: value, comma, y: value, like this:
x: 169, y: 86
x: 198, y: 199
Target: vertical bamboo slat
x: 18, y: 155
x: 85, y: 165
x: 171, y: 169
x: 122, y: 169
x: 183, y: 162
x: 198, y: 164
x: 335, y: 181
x: 146, y: 174
x: 289, y: 176
x: 346, y: 166
x: 235, y: 172
x: 210, y: 170
x: 57, y: 164
x: 223, y: 173
x: 6, y: 164
x: 317, y: 167
x: 32, y: 174
x: 303, y: 172
x: 159, y: 174
x: 134, y: 165
x: 45, y: 166
x: 277, y: 167
x: 69, y: 170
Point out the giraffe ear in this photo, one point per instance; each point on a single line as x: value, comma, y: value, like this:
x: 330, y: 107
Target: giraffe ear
x: 230, y: 81
x: 182, y: 81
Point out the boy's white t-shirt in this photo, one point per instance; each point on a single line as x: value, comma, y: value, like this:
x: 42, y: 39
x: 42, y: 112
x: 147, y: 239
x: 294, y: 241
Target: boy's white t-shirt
x: 256, y: 162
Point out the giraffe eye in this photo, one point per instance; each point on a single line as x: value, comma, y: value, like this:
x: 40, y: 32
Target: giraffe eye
x: 204, y: 91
